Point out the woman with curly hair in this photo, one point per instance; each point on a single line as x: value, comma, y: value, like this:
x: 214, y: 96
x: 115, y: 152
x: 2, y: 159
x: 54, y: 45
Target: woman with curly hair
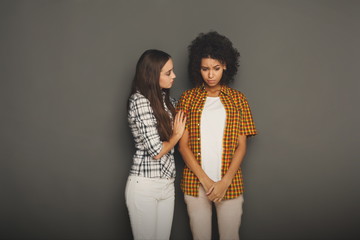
x: 214, y: 142
x: 156, y: 129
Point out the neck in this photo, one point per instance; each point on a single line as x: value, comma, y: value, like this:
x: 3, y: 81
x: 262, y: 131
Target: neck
x: 213, y: 91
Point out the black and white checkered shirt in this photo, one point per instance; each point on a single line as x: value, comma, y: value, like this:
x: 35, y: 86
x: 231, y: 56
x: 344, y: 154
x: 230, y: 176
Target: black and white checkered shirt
x: 143, y: 124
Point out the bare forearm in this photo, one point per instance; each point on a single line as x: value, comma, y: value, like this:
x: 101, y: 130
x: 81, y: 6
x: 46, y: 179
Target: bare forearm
x: 191, y: 162
x: 168, y: 145
x: 236, y: 161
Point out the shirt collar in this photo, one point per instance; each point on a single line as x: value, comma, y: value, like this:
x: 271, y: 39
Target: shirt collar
x: 224, y: 89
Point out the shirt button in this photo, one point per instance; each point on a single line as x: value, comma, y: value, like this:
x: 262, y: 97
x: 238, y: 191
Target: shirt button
x: 198, y: 153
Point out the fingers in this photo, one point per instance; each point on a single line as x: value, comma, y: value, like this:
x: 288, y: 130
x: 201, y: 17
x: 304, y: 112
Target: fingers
x: 184, y: 119
x: 180, y: 117
x: 215, y: 199
x: 180, y: 121
x: 214, y: 194
x: 179, y: 124
x: 210, y: 190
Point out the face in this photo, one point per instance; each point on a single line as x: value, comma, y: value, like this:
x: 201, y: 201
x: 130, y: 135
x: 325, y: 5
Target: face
x: 211, y: 71
x: 167, y: 75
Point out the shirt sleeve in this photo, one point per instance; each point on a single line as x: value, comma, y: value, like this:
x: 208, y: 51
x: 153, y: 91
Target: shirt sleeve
x: 183, y: 106
x: 147, y: 125
x: 247, y: 125
x: 173, y: 102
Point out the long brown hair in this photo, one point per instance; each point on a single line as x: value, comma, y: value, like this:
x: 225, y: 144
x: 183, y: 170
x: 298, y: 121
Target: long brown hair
x: 146, y: 81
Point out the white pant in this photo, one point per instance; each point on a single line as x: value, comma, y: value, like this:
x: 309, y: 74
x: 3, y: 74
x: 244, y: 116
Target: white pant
x: 150, y: 202
x: 228, y: 214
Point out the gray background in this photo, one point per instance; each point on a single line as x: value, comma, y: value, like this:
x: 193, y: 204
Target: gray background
x: 65, y: 146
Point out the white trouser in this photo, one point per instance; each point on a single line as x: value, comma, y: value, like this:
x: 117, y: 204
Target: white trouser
x: 228, y: 214
x: 150, y: 202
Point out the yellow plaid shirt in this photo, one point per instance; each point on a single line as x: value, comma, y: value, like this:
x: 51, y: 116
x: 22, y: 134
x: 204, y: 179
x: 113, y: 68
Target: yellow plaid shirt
x: 239, y: 121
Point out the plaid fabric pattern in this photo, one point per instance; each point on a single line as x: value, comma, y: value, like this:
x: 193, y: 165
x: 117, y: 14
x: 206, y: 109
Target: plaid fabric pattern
x: 239, y: 121
x: 143, y: 126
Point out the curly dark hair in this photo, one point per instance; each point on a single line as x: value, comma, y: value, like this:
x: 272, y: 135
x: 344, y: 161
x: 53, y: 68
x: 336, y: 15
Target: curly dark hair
x: 215, y: 46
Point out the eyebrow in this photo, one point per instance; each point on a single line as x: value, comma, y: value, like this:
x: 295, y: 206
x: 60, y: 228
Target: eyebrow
x: 218, y: 65
x: 168, y: 70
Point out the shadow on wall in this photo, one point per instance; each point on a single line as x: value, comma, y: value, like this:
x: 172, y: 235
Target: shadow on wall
x: 126, y: 150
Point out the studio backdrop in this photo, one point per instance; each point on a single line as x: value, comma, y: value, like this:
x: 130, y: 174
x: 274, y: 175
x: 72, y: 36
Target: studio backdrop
x: 66, y: 148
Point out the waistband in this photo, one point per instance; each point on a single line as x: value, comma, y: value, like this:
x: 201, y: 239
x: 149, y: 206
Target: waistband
x: 145, y: 179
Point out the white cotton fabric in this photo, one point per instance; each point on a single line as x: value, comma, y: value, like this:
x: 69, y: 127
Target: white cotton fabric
x: 211, y: 131
x: 150, y: 202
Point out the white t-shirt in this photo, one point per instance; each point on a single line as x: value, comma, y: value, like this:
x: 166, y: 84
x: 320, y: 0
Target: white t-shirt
x: 211, y: 131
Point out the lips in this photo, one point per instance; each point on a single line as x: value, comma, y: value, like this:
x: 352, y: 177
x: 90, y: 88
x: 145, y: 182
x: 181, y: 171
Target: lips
x: 211, y: 81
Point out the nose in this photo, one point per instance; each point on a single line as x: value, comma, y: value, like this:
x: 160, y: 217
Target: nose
x: 211, y: 74
x: 174, y: 75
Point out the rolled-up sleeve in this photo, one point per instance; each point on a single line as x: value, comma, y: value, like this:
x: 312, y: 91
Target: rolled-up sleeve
x: 146, y: 125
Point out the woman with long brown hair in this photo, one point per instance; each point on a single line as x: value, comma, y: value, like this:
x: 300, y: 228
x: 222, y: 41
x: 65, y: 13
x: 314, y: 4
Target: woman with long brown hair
x: 156, y: 129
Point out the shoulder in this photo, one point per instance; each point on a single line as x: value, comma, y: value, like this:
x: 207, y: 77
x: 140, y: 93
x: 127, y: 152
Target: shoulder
x: 189, y: 97
x: 138, y: 100
x: 235, y: 93
x: 191, y: 92
x: 135, y: 97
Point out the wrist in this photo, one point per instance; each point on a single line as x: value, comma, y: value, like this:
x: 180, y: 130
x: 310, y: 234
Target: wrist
x: 226, y: 180
x: 176, y: 136
x: 205, y: 180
